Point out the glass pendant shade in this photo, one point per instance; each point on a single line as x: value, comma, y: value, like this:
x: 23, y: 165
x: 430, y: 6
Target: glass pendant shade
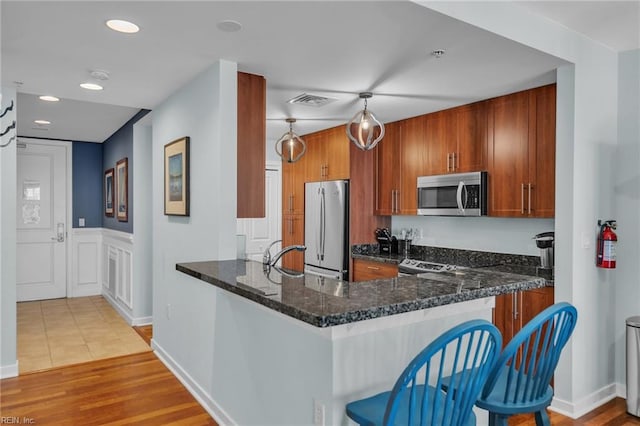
x: 290, y: 147
x: 364, y: 129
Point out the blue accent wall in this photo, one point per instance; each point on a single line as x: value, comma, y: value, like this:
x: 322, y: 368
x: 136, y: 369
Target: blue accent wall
x: 87, y: 184
x: 116, y: 147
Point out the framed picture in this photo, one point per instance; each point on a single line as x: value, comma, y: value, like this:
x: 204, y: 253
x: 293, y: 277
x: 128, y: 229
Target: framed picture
x: 108, y: 193
x: 176, y: 177
x: 122, y: 197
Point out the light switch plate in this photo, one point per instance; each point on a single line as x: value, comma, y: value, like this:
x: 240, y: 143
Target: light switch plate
x: 81, y: 222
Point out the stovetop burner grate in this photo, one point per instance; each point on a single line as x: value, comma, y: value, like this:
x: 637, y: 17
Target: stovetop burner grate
x: 413, y: 266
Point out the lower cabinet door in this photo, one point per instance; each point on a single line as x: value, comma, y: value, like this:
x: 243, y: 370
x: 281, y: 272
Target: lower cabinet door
x: 513, y: 311
x: 365, y: 270
x: 292, y: 234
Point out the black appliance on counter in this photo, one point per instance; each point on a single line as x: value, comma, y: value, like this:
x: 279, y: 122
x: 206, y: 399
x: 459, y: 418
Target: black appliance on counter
x: 388, y: 243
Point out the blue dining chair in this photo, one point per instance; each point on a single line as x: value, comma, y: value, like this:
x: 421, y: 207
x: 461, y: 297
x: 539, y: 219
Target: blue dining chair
x: 520, y: 380
x: 467, y: 352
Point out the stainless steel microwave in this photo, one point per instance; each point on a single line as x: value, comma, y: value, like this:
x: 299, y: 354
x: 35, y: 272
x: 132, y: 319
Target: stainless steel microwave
x: 459, y: 194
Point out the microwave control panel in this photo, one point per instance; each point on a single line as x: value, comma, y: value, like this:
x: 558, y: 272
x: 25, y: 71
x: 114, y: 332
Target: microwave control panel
x: 473, y: 197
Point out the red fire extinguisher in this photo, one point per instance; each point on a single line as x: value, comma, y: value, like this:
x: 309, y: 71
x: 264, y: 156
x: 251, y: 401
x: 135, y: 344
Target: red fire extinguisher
x: 607, y: 240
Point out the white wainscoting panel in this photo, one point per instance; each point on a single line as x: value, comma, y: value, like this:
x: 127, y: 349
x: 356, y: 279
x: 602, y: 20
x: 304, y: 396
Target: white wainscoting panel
x: 117, y: 277
x: 86, y: 262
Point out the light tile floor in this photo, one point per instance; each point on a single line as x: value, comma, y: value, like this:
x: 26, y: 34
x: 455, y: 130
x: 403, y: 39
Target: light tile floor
x: 57, y: 332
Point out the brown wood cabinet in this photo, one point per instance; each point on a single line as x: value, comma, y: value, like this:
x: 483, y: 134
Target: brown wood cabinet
x: 293, y: 233
x: 521, y: 154
x: 441, y: 142
x: 252, y: 107
x: 513, y: 311
x: 387, y: 171
x: 412, y: 164
x: 365, y: 270
x: 293, y: 175
x: 327, y: 155
x: 470, y: 154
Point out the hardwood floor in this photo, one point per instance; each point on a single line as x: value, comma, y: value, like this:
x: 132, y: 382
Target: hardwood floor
x: 135, y: 389
x: 613, y: 413
x: 139, y: 389
x: 145, y: 331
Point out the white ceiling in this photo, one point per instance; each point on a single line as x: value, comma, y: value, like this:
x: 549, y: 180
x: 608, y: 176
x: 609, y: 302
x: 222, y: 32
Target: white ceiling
x: 335, y: 49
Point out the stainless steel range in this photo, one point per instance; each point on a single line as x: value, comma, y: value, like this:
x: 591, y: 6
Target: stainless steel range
x: 415, y: 267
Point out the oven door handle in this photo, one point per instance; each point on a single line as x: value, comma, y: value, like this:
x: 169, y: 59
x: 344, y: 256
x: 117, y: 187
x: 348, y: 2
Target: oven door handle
x: 461, y: 188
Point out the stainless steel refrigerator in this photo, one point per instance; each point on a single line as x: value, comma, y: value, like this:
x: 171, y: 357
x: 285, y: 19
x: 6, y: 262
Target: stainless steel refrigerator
x: 326, y: 228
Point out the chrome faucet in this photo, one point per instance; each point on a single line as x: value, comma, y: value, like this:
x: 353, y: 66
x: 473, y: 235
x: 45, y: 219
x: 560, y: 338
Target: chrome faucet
x: 268, y: 260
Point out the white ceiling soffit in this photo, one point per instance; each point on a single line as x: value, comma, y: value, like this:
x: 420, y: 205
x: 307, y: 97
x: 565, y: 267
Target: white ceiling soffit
x: 615, y: 24
x: 70, y: 120
x: 333, y: 49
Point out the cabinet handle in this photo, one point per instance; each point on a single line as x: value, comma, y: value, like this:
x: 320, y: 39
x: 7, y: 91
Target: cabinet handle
x: 290, y: 203
x: 529, y: 197
x: 373, y: 268
x: 326, y: 170
x: 290, y: 226
x: 522, y: 199
x: 515, y: 306
x: 448, y: 155
x: 393, y: 200
x: 453, y: 161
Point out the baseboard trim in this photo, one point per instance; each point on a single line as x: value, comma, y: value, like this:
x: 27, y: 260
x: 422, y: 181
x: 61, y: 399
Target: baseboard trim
x: 7, y: 371
x: 143, y: 321
x: 192, y: 386
x: 131, y: 320
x: 586, y: 404
x: 621, y: 390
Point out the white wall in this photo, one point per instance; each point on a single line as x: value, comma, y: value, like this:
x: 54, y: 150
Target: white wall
x: 627, y: 196
x: 8, y: 357
x: 493, y: 234
x: 183, y: 308
x: 143, y: 219
x: 586, y: 140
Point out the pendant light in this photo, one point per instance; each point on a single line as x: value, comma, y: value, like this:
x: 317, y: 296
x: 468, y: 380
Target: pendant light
x: 290, y: 146
x: 364, y: 129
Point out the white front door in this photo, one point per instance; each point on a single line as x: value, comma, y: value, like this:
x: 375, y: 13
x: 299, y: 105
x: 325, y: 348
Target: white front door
x: 261, y: 232
x: 42, y: 221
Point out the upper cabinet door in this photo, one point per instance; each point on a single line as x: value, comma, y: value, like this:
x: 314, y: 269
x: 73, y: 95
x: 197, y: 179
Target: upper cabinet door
x: 508, y: 155
x: 387, y: 172
x: 471, y: 151
x: 252, y: 119
x: 336, y: 154
x: 412, y: 163
x: 440, y: 142
x: 542, y: 153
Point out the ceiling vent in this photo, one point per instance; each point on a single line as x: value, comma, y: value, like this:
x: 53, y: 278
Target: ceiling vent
x: 311, y: 100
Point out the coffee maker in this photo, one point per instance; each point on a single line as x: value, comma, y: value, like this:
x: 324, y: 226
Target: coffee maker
x: 545, y: 242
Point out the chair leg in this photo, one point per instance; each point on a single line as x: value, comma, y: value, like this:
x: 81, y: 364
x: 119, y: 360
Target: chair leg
x: 542, y: 418
x: 497, y: 419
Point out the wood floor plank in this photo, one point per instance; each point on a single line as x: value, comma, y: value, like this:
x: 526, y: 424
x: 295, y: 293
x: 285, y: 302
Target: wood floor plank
x: 134, y: 389
x: 138, y: 389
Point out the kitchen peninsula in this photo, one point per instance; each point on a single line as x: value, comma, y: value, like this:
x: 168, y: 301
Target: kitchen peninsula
x: 290, y: 344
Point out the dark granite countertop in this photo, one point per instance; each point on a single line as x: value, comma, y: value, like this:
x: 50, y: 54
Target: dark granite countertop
x: 501, y: 262
x: 327, y: 302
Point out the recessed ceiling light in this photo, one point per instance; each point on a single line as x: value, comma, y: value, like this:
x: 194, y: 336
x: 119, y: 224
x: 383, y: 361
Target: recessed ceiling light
x: 438, y: 53
x: 91, y: 86
x: 229, y: 26
x: 122, y: 26
x: 44, y: 122
x: 49, y: 98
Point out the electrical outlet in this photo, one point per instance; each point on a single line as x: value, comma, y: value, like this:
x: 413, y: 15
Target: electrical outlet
x: 318, y: 413
x: 81, y: 222
x: 168, y: 312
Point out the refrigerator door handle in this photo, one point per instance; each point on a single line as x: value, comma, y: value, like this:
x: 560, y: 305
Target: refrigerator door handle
x: 323, y: 214
x: 319, y: 230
